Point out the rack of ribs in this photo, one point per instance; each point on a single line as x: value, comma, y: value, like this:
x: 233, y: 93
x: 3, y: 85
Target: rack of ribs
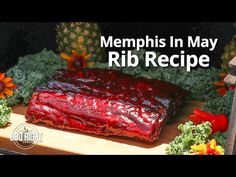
x: 106, y: 102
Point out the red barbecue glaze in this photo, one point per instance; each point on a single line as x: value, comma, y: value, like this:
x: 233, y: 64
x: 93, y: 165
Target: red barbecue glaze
x: 106, y: 102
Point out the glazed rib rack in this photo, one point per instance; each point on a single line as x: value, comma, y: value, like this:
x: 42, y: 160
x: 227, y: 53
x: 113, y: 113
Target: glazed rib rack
x: 106, y: 102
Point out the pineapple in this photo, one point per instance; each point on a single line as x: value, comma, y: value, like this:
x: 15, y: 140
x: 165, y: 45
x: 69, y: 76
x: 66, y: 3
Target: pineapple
x: 80, y: 36
x: 229, y: 53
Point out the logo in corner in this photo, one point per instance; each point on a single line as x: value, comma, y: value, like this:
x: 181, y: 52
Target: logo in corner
x: 26, y: 136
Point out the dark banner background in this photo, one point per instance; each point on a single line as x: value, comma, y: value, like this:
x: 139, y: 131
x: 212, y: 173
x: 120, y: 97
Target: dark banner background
x: 22, y: 38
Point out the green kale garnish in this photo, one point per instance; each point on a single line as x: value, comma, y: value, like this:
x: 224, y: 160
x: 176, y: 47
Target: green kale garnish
x: 32, y: 71
x: 190, y: 135
x: 5, y: 113
x: 220, y: 105
x: 220, y: 138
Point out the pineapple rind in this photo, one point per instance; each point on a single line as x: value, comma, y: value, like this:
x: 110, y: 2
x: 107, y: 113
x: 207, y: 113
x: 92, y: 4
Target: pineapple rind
x: 79, y: 36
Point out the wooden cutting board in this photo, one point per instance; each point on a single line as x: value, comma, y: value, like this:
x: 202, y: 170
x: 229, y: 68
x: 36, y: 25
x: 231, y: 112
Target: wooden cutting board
x: 56, y: 141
